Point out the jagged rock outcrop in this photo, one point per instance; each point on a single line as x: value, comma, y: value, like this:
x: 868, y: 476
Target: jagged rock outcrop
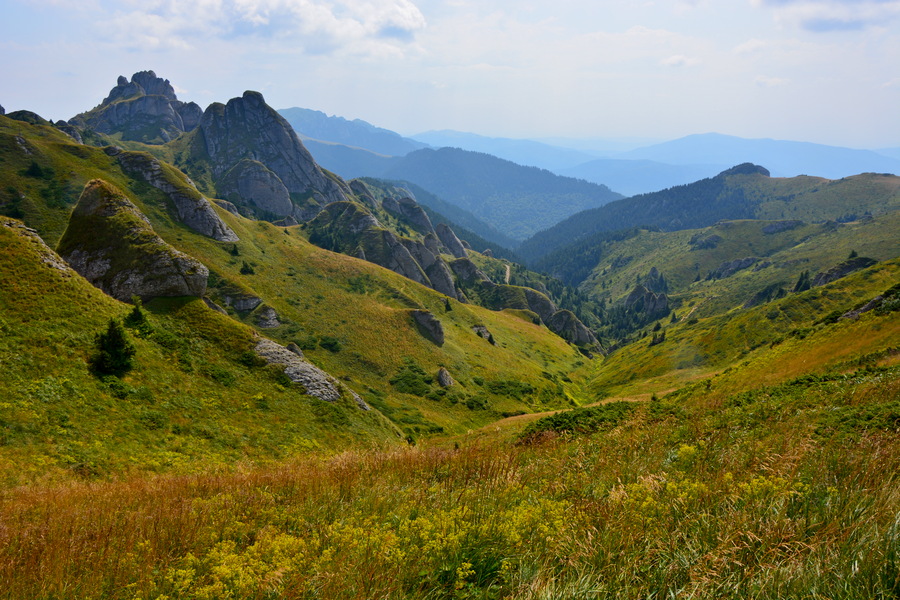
x: 266, y: 317
x: 70, y: 131
x: 729, y: 268
x: 363, y: 194
x: 112, y: 245
x: 467, y: 273
x: 410, y: 211
x: 349, y: 228
x: 566, y: 325
x: 241, y: 302
x: 540, y: 304
x: 655, y: 281
x: 314, y: 380
x: 450, y: 241
x: 488, y: 252
x: 190, y: 206
x: 429, y: 325
x: 642, y: 300
x: 779, y: 226
x: 444, y: 378
x: 483, y: 332
x: 851, y: 265
x: 144, y: 109
x: 2, y: 110
x: 432, y: 242
x: 247, y: 128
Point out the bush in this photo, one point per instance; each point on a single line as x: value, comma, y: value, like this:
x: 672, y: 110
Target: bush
x: 115, y: 352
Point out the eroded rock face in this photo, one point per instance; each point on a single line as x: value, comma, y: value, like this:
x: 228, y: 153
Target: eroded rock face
x: 112, y: 245
x: 843, y: 269
x: 644, y: 301
x: 467, y: 272
x: 191, y: 207
x: 450, y: 241
x: 566, y: 325
x: 429, y: 325
x: 144, y: 109
x: 314, y: 380
x: 410, y: 211
x: 47, y: 256
x: 246, y: 128
x: 250, y: 182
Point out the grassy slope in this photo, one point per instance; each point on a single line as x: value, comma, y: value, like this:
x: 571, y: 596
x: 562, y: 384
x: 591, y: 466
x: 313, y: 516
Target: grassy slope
x: 810, y: 247
x: 192, y: 402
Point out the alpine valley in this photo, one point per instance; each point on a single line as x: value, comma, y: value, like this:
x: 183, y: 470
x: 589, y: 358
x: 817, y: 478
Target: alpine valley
x: 227, y: 371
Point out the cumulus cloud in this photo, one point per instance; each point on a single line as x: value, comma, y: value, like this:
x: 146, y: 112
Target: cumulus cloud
x: 821, y: 16
x: 679, y: 60
x: 311, y: 25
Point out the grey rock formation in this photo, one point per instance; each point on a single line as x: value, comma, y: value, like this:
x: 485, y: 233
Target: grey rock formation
x: 439, y: 276
x: 644, y: 301
x: 314, y: 380
x: 467, y: 272
x: 144, y: 109
x: 729, y: 268
x: 779, y: 226
x: 267, y: 318
x: 241, y: 302
x: 488, y: 252
x: 363, y: 194
x: 540, y: 304
x: 250, y: 182
x: 214, y: 306
x: 190, y: 206
x: 248, y: 128
x: 112, y: 245
x: 566, y: 325
x: 432, y: 242
x: 854, y: 314
x: 410, y: 211
x: 444, y: 378
x: 655, y: 282
x: 450, y: 241
x: 482, y: 331
x: 429, y: 325
x: 843, y: 269
x: 69, y: 130
x: 2, y: 110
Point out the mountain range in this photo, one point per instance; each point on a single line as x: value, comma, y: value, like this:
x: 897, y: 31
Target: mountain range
x: 227, y: 371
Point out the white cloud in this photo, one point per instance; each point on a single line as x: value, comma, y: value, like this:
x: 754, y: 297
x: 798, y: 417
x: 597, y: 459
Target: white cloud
x: 317, y: 26
x: 822, y: 16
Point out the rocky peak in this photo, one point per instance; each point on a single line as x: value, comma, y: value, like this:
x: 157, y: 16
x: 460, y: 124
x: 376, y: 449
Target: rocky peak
x: 111, y: 243
x: 144, y: 109
x: 248, y: 129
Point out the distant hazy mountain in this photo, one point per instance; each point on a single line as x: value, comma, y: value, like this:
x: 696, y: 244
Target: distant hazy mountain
x: 782, y: 158
x: 890, y: 152
x: 742, y: 192
x: 357, y: 133
x: 632, y: 177
x: 516, y: 200
x: 524, y: 152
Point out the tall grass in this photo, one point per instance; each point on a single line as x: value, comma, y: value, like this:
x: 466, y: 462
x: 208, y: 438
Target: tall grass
x: 765, y: 495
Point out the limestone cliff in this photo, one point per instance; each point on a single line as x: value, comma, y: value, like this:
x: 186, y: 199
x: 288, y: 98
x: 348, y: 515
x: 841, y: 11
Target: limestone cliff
x: 112, y: 245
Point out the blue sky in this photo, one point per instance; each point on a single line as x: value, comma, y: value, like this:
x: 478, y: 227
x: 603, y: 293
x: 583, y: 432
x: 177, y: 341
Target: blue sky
x: 825, y: 71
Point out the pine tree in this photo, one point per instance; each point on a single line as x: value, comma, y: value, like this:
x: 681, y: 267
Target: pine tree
x: 115, y: 352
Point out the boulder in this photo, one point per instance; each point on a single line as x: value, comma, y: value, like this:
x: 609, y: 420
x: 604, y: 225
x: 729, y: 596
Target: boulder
x: 429, y: 325
x: 443, y: 378
x: 112, y: 245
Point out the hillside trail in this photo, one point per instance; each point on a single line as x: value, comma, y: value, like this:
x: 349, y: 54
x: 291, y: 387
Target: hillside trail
x: 506, y: 277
